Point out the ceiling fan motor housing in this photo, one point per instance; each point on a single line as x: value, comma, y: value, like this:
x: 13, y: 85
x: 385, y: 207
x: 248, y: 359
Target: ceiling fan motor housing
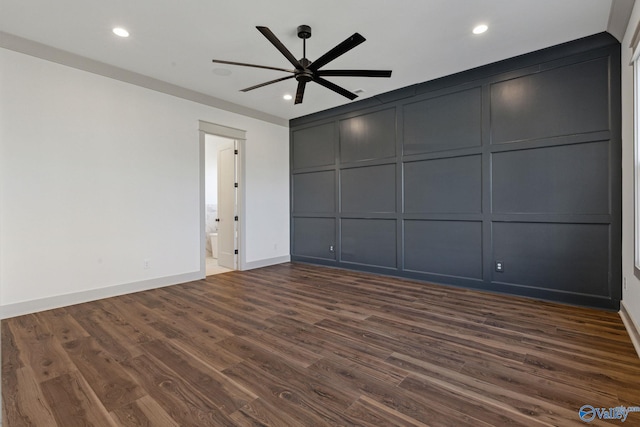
x: 304, y: 75
x: 304, y: 31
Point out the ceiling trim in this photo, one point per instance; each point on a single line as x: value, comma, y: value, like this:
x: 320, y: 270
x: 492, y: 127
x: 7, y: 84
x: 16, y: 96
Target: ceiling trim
x: 42, y: 51
x: 619, y: 16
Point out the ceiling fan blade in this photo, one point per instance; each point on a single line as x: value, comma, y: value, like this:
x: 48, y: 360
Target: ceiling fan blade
x: 300, y: 92
x: 335, y: 88
x: 266, y: 83
x: 355, y: 73
x: 218, y: 61
x: 282, y: 48
x: 340, y: 49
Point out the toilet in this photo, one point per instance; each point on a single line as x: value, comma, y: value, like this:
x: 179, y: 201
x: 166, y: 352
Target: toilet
x: 213, y: 237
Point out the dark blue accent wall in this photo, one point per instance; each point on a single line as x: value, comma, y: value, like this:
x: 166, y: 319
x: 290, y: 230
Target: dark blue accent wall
x: 518, y: 162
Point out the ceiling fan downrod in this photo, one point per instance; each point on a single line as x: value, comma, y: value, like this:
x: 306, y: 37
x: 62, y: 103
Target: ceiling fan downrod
x: 304, y: 32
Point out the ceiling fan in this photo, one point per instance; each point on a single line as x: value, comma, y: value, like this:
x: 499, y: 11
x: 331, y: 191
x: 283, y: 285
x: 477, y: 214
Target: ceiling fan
x: 306, y: 71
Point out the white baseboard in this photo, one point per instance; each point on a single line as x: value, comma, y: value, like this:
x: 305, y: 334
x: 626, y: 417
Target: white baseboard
x: 266, y: 262
x: 48, y: 303
x: 632, y: 327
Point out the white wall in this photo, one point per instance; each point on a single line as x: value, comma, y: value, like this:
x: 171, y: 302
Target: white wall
x: 267, y: 197
x: 97, y: 175
x: 630, y: 296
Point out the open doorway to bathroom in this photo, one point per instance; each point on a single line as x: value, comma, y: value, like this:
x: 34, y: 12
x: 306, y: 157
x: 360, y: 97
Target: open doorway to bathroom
x: 220, y: 205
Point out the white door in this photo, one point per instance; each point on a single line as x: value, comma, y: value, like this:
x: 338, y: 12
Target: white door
x: 227, y: 226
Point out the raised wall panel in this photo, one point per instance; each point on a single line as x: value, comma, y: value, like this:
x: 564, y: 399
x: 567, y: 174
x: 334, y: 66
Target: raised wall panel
x: 369, y: 189
x: 369, y: 136
x: 314, y: 192
x: 517, y: 161
x: 313, y: 146
x: 313, y: 237
x: 369, y: 241
x: 570, y: 179
x: 452, y: 248
x: 451, y: 185
x: 570, y: 257
x: 561, y: 101
x: 447, y: 122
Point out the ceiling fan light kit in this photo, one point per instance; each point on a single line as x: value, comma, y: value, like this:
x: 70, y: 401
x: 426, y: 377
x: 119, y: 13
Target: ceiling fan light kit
x: 305, y: 71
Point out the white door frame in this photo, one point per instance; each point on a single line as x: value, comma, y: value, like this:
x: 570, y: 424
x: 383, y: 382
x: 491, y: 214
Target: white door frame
x: 240, y: 137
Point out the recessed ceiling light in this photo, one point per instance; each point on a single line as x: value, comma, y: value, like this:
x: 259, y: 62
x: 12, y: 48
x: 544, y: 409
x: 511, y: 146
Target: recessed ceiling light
x: 287, y: 97
x: 480, y: 29
x: 118, y: 31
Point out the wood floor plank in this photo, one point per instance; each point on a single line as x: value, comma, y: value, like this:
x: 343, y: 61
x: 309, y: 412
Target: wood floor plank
x: 260, y: 413
x: 459, y: 402
x: 144, y: 412
x: 277, y: 393
x: 522, y: 378
x: 376, y: 414
x: 206, y: 351
x: 294, y: 300
x: 225, y: 394
x: 376, y: 369
x: 498, y: 405
x: 112, y: 313
x: 95, y: 321
x: 182, y: 317
x: 73, y: 403
x: 324, y: 342
x: 564, y: 370
x: 40, y: 349
x: 226, y: 318
x: 305, y: 345
x: 297, y: 378
x: 62, y: 325
x: 113, y: 386
x: 505, y: 348
x: 23, y: 401
x: 419, y: 347
x: 397, y: 399
x: 295, y: 354
x: 198, y: 339
x: 176, y: 396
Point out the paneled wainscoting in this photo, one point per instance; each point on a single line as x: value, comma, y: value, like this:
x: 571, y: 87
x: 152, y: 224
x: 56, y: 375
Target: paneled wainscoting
x: 301, y: 345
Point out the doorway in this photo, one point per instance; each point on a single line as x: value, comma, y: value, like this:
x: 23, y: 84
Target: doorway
x: 225, y: 153
x: 220, y: 205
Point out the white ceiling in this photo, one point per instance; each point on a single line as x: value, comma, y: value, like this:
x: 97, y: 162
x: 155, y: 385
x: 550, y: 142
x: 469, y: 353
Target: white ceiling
x: 174, y: 41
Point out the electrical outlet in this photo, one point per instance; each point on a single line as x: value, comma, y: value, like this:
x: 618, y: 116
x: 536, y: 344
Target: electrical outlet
x: 331, y: 248
x: 499, y: 266
x: 146, y: 264
x: 624, y: 283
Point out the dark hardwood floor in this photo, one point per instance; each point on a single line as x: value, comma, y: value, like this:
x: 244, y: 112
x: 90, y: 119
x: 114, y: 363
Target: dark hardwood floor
x: 300, y: 345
